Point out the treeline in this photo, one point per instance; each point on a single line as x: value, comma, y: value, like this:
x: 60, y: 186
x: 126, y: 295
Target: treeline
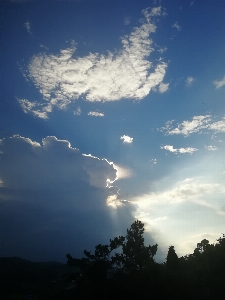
x: 126, y: 269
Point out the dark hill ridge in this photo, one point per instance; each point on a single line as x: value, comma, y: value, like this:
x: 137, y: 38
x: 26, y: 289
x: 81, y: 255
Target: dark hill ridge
x: 21, y: 277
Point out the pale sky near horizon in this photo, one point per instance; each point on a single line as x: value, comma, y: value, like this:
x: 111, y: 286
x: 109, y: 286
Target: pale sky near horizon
x: 111, y: 111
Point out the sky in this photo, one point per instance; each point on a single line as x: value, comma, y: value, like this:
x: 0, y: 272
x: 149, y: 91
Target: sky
x: 111, y: 111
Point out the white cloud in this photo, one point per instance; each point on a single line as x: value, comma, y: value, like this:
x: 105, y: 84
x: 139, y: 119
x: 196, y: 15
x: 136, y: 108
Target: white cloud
x: 218, y: 126
x: 219, y: 83
x: 211, y: 148
x: 35, y: 108
x: 154, y: 161
x: 197, y: 124
x: 77, y: 111
x: 191, y: 189
x: 127, y: 73
x: 175, y: 25
x: 189, y: 81
x: 95, y: 114
x: 180, y: 150
x: 122, y: 172
x: 28, y: 27
x: 162, y: 50
x: 126, y: 139
x: 163, y: 87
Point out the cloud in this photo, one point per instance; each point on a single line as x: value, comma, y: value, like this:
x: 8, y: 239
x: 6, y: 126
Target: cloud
x: 163, y: 87
x: 95, y: 114
x: 180, y: 150
x: 175, y: 25
x: 126, y: 139
x: 219, y: 83
x: 77, y: 111
x: 211, y: 148
x: 127, y: 20
x: 183, y: 208
x: 189, y: 81
x: 54, y: 199
x: 127, y: 73
x: 218, y: 126
x: 197, y: 124
x: 194, y: 190
x: 28, y: 27
x: 122, y: 172
x: 35, y: 108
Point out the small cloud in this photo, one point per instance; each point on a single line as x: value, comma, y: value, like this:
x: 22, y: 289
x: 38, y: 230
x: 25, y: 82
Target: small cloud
x: 188, y: 127
x: 189, y: 81
x: 162, y: 50
x: 211, y: 148
x: 35, y: 108
x: 113, y: 201
x: 175, y: 25
x: 28, y: 27
x: 127, y: 20
x: 77, y: 111
x: 163, y: 87
x: 219, y: 83
x: 180, y: 150
x: 218, y: 126
x: 154, y: 161
x: 191, y: 3
x: 95, y: 114
x: 126, y: 139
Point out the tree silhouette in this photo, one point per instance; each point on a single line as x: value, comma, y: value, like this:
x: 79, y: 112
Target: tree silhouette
x: 135, y: 274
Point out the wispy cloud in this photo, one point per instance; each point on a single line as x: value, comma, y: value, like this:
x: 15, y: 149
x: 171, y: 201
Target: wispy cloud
x: 126, y: 139
x: 163, y: 87
x: 127, y: 20
x: 95, y: 114
x: 219, y: 83
x: 190, y: 80
x: 211, y: 148
x: 127, y: 73
x: 197, y: 124
x: 175, y: 25
x: 37, y: 109
x: 190, y: 189
x: 77, y: 111
x: 170, y: 148
x: 28, y: 27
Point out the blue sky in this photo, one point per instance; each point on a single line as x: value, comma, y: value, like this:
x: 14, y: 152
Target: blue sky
x: 111, y: 111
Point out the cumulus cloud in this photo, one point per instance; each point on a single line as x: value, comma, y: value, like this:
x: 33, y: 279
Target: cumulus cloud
x: 180, y: 150
x: 197, y: 124
x: 219, y: 83
x: 127, y: 73
x: 95, y: 114
x: 126, y: 139
x: 54, y: 199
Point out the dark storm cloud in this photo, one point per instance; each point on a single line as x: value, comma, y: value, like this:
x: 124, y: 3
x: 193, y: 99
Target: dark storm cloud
x: 54, y: 200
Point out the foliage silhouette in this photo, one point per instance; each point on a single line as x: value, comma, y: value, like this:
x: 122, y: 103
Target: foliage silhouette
x: 126, y: 269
